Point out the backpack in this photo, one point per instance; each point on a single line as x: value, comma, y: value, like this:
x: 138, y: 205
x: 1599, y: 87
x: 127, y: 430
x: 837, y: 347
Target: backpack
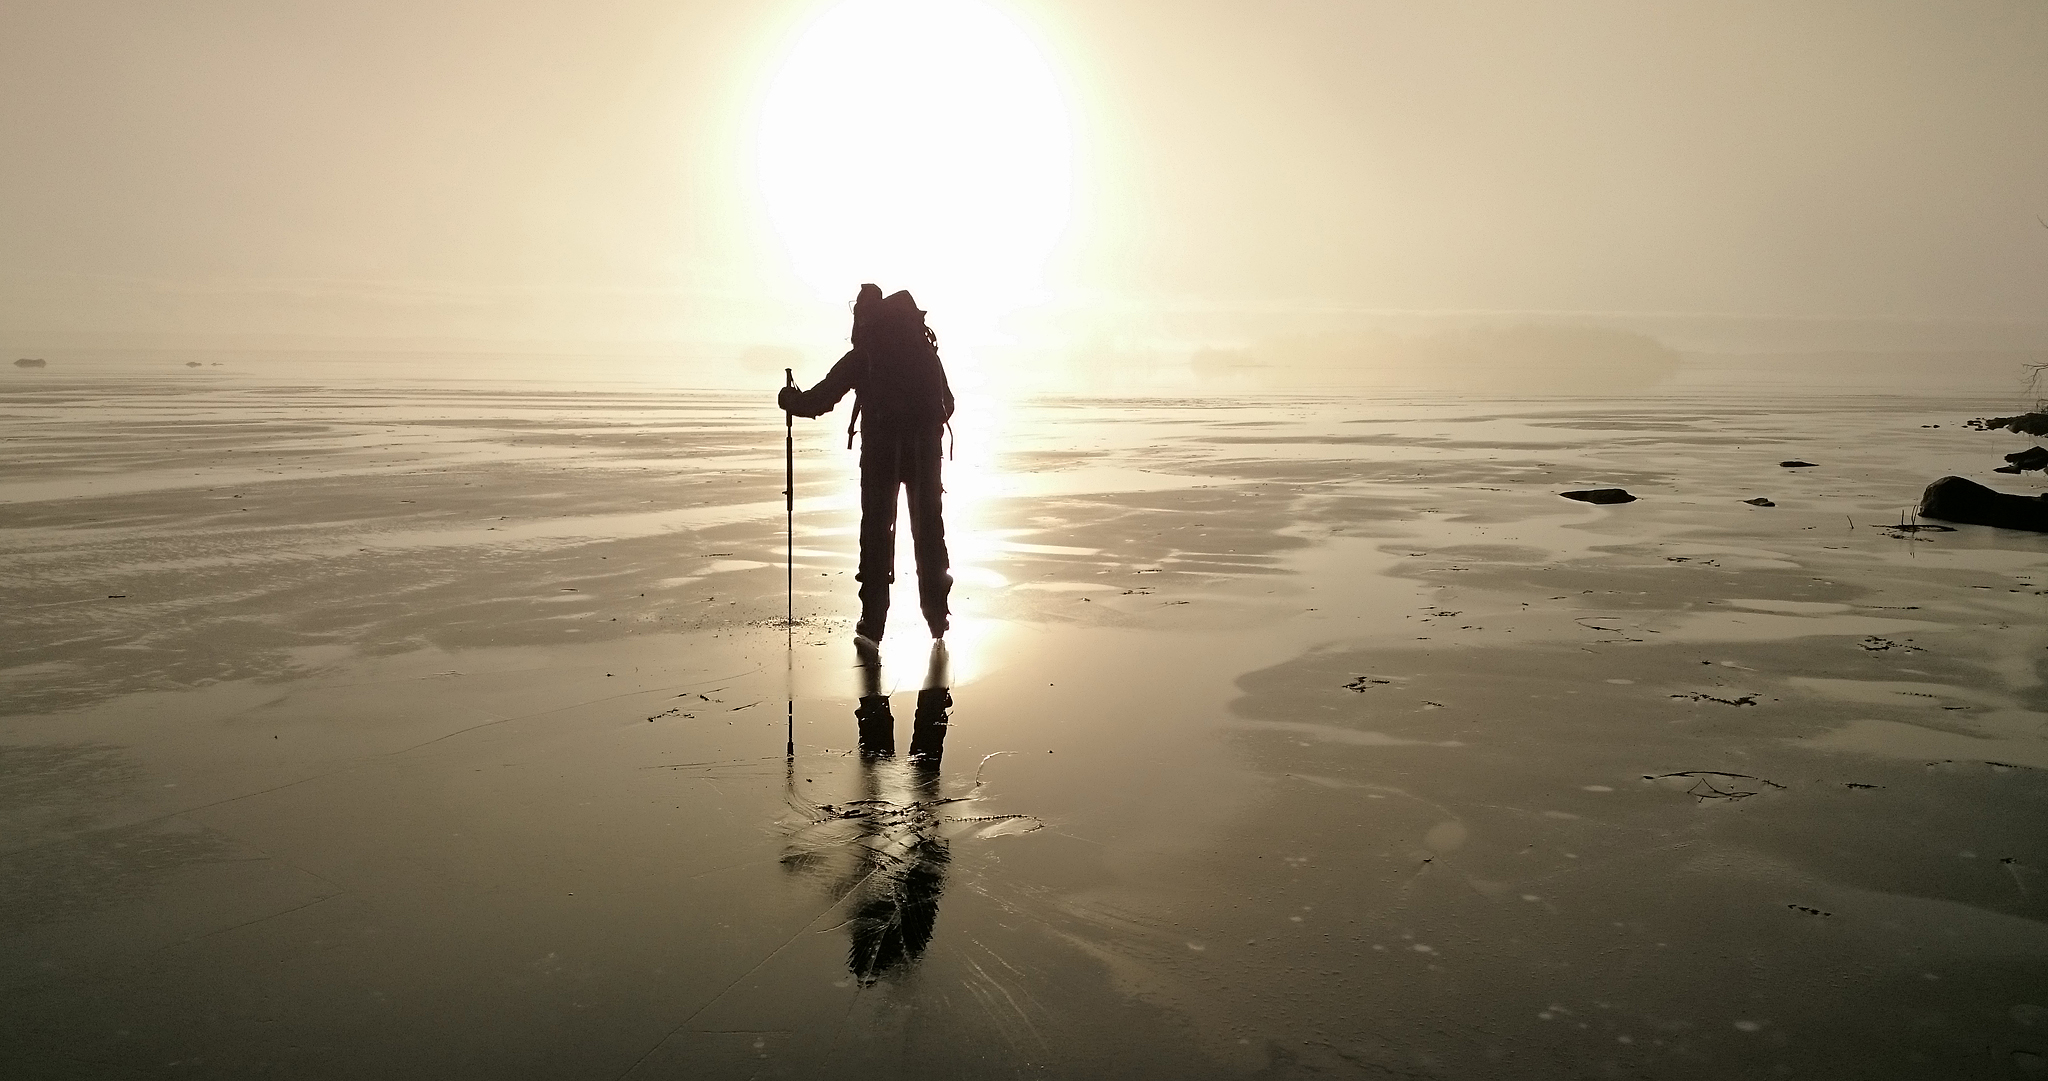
x: 903, y: 385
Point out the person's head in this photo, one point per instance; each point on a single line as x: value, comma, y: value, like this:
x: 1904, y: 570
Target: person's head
x: 866, y: 307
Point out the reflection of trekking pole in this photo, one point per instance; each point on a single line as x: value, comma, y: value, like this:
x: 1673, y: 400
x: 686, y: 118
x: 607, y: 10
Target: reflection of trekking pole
x: 789, y: 564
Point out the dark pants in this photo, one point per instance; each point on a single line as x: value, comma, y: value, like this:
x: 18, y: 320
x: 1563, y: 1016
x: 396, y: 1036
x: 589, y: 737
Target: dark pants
x: 909, y: 461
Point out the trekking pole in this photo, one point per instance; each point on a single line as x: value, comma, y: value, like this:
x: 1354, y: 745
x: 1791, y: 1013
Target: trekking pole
x: 789, y: 568
x: 789, y: 503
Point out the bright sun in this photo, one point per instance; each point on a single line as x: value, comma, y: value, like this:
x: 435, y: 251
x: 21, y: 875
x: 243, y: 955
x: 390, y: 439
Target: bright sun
x: 919, y: 144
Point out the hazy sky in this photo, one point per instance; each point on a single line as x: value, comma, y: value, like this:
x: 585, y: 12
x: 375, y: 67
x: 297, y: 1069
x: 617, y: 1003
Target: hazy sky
x: 510, y: 169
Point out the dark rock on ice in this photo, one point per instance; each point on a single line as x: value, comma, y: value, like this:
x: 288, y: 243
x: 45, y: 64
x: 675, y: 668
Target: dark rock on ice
x: 1759, y: 501
x: 1600, y: 495
x: 1953, y: 499
x: 2025, y: 424
x: 2031, y: 458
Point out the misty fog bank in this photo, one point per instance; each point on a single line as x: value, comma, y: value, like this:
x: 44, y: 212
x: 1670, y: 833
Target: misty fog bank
x: 1526, y: 361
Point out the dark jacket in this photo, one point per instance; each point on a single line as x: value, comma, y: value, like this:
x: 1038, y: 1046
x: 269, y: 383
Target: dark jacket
x: 898, y: 391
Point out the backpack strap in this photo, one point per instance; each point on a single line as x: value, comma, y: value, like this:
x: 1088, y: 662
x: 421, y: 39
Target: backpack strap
x: 853, y: 421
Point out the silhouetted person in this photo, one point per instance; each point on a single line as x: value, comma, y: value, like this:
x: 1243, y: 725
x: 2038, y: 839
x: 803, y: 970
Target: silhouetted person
x: 900, y: 392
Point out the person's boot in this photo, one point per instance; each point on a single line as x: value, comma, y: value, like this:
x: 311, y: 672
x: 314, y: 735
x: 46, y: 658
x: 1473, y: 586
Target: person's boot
x: 932, y: 594
x: 870, y: 625
x: 874, y: 611
x: 874, y: 616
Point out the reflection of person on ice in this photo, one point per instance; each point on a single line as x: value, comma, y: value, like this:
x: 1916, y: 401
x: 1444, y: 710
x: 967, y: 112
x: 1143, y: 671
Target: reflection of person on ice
x: 903, y: 403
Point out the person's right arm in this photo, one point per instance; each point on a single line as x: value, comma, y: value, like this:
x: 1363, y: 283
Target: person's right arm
x: 820, y: 399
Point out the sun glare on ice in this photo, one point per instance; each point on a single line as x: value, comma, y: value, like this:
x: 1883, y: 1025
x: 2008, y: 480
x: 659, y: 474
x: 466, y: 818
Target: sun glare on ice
x: 921, y: 145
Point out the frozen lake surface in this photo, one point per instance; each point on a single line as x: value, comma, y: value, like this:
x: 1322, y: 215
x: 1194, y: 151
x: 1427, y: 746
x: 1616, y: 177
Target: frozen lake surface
x: 451, y: 730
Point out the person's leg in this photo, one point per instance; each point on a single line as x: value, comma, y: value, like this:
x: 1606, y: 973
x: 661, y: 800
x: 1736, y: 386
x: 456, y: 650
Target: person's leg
x: 928, y: 533
x: 880, y: 476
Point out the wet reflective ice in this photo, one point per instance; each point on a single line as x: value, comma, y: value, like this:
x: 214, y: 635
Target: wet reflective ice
x: 454, y: 732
